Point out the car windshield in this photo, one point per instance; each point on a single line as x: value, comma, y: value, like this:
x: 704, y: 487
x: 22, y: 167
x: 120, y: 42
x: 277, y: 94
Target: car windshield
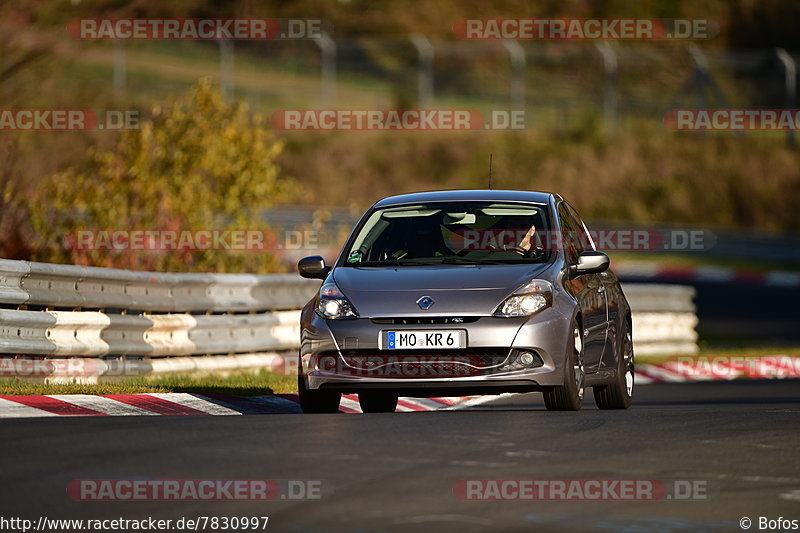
x: 451, y: 233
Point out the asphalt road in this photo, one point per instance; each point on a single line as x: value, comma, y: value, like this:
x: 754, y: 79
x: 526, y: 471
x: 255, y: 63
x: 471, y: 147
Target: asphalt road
x: 396, y: 472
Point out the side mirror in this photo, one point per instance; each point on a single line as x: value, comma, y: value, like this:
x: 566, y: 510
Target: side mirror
x: 313, y: 267
x: 589, y: 263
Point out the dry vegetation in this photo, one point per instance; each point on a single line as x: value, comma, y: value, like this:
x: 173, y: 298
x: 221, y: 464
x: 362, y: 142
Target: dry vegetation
x: 718, y: 180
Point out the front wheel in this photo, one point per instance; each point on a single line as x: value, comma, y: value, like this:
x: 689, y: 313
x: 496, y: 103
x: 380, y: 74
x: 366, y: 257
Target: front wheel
x: 619, y: 393
x: 569, y: 396
x: 317, y: 401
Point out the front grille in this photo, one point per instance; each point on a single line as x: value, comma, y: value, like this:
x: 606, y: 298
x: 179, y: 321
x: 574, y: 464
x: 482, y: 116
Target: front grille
x: 477, y: 357
x: 426, y: 320
x: 414, y: 363
x: 430, y: 363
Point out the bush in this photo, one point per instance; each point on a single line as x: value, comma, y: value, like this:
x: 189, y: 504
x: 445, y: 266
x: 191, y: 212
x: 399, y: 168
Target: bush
x: 196, y: 163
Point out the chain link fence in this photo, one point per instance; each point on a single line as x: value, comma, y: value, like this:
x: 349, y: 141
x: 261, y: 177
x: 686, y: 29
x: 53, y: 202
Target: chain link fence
x: 560, y: 85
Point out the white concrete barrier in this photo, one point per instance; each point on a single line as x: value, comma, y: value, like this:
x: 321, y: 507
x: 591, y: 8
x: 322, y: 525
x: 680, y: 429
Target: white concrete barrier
x: 664, y: 318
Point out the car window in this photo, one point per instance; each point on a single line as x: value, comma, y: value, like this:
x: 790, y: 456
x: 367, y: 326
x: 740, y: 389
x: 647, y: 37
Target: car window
x: 568, y: 233
x: 585, y: 242
x: 451, y: 232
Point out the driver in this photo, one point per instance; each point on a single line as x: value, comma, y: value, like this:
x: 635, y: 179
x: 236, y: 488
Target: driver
x: 527, y: 241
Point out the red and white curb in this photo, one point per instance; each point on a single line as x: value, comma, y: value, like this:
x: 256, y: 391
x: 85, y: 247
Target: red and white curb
x: 184, y: 404
x: 666, y: 272
x: 719, y: 368
x: 682, y: 370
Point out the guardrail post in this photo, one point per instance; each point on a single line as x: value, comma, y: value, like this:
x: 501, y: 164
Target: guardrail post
x: 226, y: 68
x: 327, y: 47
x: 119, y: 67
x: 425, y: 53
x: 610, y: 67
x: 700, y: 73
x: 790, y: 73
x: 517, y: 56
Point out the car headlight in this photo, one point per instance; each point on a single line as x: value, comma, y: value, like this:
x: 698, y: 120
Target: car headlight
x: 333, y: 304
x: 531, y: 298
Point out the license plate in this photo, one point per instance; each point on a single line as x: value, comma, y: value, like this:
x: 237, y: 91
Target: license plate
x: 428, y: 339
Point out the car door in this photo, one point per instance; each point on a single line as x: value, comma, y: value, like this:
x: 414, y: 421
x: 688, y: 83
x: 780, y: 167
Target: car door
x: 613, y: 294
x: 606, y: 286
x: 587, y: 289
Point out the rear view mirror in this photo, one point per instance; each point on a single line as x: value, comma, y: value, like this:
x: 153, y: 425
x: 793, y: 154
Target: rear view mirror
x: 590, y: 263
x: 313, y: 267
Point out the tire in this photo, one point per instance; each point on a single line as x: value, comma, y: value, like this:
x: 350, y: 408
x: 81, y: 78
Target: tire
x: 377, y: 402
x: 569, y: 396
x: 317, y: 401
x: 619, y: 393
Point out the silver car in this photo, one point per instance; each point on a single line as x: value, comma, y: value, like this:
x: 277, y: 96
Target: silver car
x: 454, y: 293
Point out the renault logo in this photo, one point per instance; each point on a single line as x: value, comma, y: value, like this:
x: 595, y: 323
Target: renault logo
x: 425, y: 302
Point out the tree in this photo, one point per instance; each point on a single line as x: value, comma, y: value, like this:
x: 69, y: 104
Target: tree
x: 195, y: 163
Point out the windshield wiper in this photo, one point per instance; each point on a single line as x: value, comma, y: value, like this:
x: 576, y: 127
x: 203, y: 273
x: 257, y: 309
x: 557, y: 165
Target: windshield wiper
x: 443, y: 261
x: 468, y: 261
x: 392, y: 263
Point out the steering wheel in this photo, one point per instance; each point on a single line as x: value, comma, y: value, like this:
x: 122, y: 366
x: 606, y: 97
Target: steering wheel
x: 465, y: 251
x: 516, y: 248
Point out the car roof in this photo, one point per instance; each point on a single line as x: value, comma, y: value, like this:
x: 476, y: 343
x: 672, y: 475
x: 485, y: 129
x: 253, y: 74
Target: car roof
x: 492, y: 195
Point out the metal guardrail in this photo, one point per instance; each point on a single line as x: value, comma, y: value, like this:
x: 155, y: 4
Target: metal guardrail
x: 76, y: 287
x: 68, y: 311
x: 664, y: 318
x: 89, y: 311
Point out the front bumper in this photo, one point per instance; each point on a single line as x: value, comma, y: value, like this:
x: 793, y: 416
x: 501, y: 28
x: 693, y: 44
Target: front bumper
x: 344, y: 355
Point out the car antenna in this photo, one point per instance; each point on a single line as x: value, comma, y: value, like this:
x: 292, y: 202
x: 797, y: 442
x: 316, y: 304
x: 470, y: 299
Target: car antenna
x: 490, y: 171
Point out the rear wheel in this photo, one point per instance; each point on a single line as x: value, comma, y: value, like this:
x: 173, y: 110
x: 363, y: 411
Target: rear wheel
x: 619, y: 393
x: 317, y: 401
x: 377, y: 402
x: 569, y: 396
